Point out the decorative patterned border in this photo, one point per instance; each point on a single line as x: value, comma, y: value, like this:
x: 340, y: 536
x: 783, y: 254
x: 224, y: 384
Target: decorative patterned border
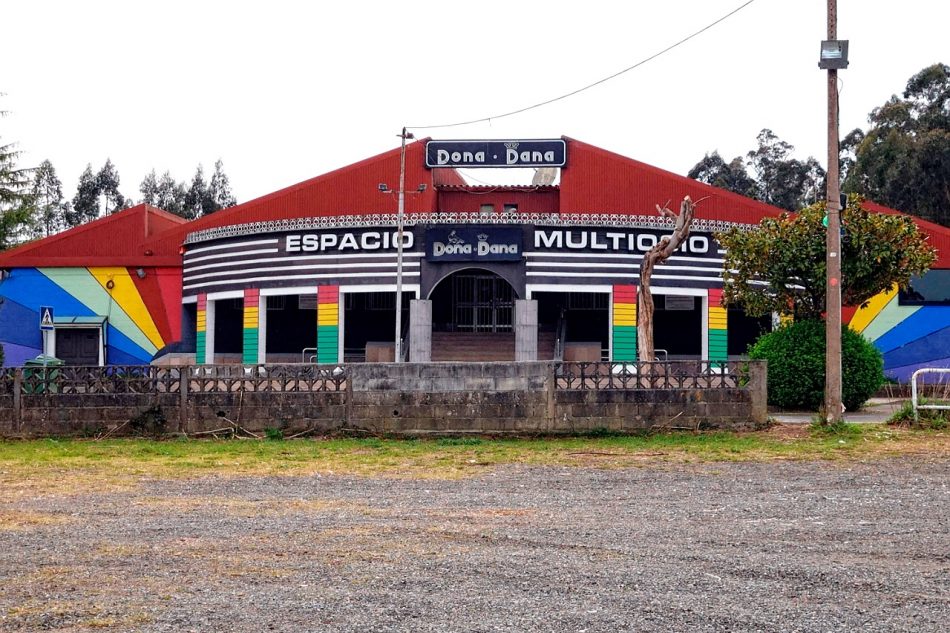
x: 389, y: 219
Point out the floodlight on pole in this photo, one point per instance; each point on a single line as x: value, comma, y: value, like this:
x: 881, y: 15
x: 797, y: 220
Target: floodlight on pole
x: 834, y: 55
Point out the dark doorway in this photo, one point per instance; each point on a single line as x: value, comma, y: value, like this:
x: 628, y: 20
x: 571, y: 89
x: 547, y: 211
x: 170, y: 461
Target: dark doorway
x: 371, y: 317
x: 745, y: 330
x: 291, y: 326
x: 472, y: 317
x: 471, y: 301
x: 678, y: 326
x: 228, y: 326
x: 571, y: 317
x: 78, y: 346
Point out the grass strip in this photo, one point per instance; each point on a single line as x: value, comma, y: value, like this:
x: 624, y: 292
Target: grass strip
x: 63, y: 465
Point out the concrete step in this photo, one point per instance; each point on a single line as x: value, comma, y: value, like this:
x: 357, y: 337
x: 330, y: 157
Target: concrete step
x: 485, y: 346
x: 473, y: 347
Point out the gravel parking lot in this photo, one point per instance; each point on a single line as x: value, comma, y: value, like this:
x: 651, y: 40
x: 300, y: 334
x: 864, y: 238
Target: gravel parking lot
x: 780, y: 546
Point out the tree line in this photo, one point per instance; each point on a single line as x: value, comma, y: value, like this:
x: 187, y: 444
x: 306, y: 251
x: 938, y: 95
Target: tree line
x: 33, y: 206
x: 901, y: 161
x: 45, y: 211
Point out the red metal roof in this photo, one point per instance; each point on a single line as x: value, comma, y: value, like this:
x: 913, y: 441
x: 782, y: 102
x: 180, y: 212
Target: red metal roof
x: 120, y: 239
x: 598, y: 181
x: 938, y: 235
x: 448, y: 177
x: 350, y: 190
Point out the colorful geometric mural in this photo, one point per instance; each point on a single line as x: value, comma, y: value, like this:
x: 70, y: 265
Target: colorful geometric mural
x: 252, y: 300
x: 142, y: 310
x: 718, y: 327
x: 328, y: 324
x: 624, y: 317
x: 909, y: 337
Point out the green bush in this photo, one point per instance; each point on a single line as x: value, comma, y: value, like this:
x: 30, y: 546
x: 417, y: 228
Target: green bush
x: 796, y: 356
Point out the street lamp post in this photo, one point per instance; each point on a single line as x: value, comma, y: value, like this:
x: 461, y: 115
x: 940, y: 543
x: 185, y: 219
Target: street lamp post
x: 400, y: 224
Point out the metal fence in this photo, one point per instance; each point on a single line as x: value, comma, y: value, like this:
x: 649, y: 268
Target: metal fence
x: 116, y: 379
x: 685, y: 374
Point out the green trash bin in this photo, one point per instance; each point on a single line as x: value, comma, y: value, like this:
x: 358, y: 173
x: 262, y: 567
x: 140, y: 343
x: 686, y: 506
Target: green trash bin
x: 44, y: 369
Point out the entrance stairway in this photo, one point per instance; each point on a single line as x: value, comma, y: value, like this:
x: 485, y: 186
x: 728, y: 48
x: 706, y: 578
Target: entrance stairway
x: 473, y: 347
x: 483, y: 347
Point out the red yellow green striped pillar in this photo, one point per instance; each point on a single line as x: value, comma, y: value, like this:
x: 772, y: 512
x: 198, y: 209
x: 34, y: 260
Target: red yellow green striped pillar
x: 328, y: 324
x: 624, y: 323
x: 252, y: 302
x: 201, y: 327
x: 718, y: 328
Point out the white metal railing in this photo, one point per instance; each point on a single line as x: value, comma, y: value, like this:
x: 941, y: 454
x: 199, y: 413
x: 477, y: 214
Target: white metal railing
x: 913, y: 389
x: 308, y: 355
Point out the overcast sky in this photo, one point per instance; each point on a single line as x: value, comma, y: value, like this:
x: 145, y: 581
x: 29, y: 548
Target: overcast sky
x: 284, y: 91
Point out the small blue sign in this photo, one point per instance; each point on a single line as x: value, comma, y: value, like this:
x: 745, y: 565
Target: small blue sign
x: 46, y: 318
x: 528, y: 153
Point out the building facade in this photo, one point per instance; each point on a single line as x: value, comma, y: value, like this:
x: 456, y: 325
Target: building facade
x: 310, y: 273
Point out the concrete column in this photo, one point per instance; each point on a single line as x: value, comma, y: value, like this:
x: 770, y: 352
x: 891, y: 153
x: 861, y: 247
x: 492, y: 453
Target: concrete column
x: 209, y: 332
x: 526, y: 330
x: 758, y: 386
x: 262, y: 331
x: 341, y: 328
x: 420, y: 331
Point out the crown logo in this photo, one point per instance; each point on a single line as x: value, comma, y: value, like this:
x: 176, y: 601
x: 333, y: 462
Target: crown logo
x: 512, y: 144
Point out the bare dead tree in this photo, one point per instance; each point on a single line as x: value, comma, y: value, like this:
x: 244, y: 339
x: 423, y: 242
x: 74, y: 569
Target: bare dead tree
x: 660, y: 252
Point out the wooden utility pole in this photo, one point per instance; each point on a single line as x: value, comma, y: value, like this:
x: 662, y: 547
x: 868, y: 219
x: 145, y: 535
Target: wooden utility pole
x: 833, y: 404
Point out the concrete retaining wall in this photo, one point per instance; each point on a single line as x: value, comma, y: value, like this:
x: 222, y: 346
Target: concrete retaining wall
x: 404, y: 398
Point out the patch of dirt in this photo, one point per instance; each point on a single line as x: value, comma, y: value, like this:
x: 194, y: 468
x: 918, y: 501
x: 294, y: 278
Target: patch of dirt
x: 787, y: 432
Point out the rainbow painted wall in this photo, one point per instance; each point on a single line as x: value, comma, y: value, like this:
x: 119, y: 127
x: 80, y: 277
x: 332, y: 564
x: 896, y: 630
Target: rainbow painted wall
x: 143, y: 313
x: 909, y: 337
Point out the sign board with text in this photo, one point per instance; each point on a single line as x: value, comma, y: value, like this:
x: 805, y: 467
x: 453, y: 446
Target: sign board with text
x: 473, y: 244
x: 526, y: 153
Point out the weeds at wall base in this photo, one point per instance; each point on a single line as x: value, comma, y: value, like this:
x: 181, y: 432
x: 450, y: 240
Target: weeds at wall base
x: 936, y: 420
x: 820, y: 428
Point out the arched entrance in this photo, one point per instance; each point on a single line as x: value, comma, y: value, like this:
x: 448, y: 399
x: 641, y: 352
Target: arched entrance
x: 472, y: 300
x: 473, y: 317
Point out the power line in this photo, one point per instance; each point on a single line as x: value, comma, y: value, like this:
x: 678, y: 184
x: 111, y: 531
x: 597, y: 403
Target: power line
x: 596, y: 83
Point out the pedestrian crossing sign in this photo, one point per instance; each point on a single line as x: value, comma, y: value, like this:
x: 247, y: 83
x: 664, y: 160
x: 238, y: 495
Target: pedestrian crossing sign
x: 46, y: 318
